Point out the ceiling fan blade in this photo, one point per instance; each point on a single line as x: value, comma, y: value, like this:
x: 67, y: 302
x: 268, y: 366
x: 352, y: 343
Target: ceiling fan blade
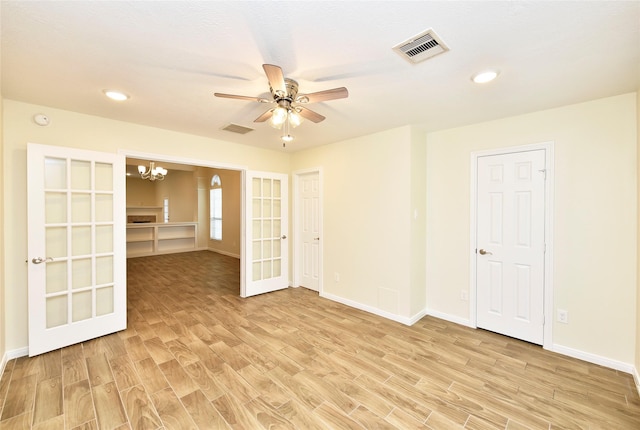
x: 309, y: 114
x: 276, y: 78
x: 234, y: 96
x: 265, y: 116
x: 323, y: 96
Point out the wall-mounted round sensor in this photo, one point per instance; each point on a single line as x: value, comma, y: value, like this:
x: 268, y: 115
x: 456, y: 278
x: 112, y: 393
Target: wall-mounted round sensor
x: 41, y: 119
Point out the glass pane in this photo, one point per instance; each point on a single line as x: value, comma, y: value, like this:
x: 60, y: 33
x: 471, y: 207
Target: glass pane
x: 56, y: 311
x: 55, y: 173
x: 257, y: 271
x: 257, y: 208
x: 266, y: 229
x: 266, y: 208
x: 277, y: 211
x: 257, y: 250
x: 277, y: 248
x: 277, y: 269
x: 104, y: 207
x: 266, y: 188
x: 56, y: 277
x: 104, y: 301
x: 80, y: 175
x: 81, y: 240
x: 56, y: 242
x: 80, y: 207
x: 104, y: 239
x: 257, y: 189
x: 81, y: 306
x: 266, y: 249
x: 276, y: 188
x: 55, y: 208
x: 257, y: 229
x: 104, y: 177
x: 81, y: 273
x: 266, y: 270
x: 104, y: 270
x: 277, y: 229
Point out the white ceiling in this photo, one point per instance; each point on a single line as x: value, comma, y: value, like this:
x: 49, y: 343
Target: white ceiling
x: 172, y: 56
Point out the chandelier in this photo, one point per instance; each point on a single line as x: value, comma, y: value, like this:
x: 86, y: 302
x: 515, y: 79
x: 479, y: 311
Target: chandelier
x: 154, y: 173
x: 285, y: 117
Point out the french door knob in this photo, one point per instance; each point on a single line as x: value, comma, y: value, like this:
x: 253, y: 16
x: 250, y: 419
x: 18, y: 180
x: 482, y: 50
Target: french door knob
x: 483, y: 252
x: 40, y: 260
x: 283, y: 236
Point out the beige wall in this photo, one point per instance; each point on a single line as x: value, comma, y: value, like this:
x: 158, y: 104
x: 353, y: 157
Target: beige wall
x: 637, y: 362
x: 180, y: 187
x: 231, y: 181
x: 595, y: 218
x: 369, y: 200
x: 93, y: 133
x: 3, y: 323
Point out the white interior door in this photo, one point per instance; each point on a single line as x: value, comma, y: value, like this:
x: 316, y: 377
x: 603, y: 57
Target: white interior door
x: 510, y: 244
x: 76, y: 246
x: 266, y: 224
x: 309, y: 189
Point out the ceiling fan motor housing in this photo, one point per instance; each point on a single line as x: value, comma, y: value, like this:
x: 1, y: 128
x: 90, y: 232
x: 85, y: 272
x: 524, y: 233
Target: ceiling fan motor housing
x: 292, y: 91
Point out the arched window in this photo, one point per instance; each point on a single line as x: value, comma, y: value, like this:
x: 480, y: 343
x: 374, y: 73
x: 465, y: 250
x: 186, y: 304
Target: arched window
x: 215, y: 208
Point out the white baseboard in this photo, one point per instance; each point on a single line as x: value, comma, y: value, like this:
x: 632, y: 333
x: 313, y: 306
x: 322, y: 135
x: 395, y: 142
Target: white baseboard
x: 594, y: 358
x: 636, y: 378
x: 448, y: 317
x: 388, y: 315
x: 229, y: 254
x: 10, y: 355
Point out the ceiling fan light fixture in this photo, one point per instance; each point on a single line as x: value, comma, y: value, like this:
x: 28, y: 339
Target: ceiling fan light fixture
x: 287, y: 138
x: 278, y: 117
x: 295, y: 119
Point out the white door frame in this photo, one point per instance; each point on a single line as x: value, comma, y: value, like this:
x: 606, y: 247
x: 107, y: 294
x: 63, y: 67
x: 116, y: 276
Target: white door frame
x: 297, y: 228
x: 214, y: 165
x: 548, y: 227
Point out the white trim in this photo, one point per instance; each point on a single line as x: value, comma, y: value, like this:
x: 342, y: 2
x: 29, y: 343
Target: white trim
x: 636, y: 378
x: 393, y: 317
x: 548, y: 147
x: 196, y: 162
x: 451, y: 318
x: 10, y: 355
x: 297, y: 252
x: 594, y: 358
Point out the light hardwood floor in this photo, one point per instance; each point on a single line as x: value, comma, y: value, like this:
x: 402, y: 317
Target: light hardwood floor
x: 196, y: 355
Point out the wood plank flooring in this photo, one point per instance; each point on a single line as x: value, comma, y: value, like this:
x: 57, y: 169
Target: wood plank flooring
x: 196, y: 355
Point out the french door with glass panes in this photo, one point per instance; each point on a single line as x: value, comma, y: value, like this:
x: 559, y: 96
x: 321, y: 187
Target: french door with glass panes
x: 76, y: 246
x: 267, y: 249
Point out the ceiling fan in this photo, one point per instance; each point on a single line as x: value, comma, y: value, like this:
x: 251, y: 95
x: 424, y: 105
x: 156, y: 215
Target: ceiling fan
x: 289, y: 109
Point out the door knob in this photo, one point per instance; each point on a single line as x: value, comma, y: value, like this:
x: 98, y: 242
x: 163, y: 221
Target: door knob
x: 316, y: 238
x: 284, y: 236
x: 483, y: 252
x: 39, y: 260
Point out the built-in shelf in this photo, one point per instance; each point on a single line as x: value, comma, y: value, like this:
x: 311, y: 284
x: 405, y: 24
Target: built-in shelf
x: 161, y: 238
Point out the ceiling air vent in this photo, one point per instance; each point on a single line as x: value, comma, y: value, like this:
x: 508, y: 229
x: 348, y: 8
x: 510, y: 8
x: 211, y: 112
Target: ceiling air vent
x: 422, y: 46
x: 235, y: 128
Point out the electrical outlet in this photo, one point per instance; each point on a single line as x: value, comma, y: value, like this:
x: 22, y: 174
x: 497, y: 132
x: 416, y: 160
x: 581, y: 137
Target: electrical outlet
x: 563, y: 316
x: 464, y: 295
x: 336, y: 277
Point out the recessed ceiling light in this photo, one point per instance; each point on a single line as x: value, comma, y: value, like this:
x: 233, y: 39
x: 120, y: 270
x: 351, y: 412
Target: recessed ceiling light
x: 484, y: 77
x: 115, y: 95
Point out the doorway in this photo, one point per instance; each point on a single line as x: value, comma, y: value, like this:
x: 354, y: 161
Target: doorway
x: 511, y: 242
